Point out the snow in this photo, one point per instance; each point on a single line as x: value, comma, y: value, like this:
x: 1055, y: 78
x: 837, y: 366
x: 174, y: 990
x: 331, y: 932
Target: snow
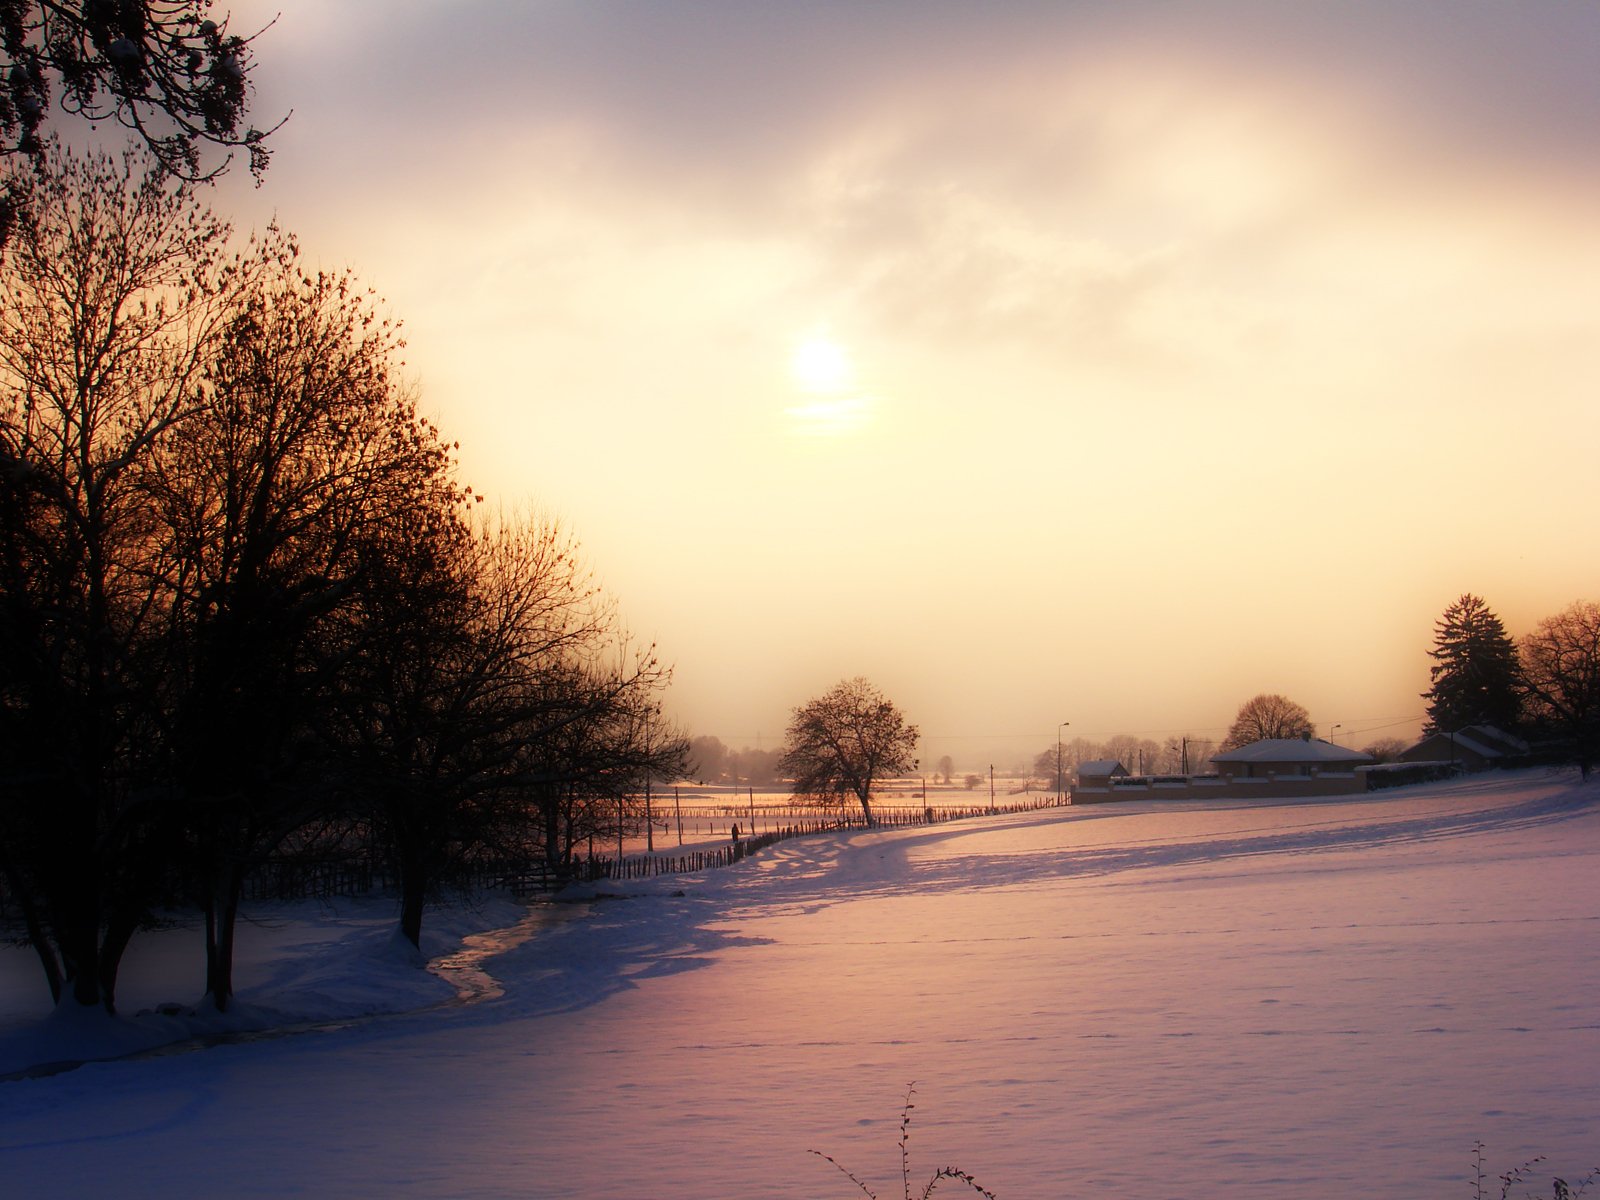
x: 1178, y: 999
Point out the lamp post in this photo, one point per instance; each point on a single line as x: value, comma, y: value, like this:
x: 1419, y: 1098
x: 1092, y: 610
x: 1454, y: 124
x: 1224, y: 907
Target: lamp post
x: 1333, y: 731
x: 1061, y: 784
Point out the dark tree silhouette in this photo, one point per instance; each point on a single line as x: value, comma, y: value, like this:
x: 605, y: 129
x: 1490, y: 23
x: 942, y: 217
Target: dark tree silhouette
x: 1268, y: 715
x: 302, y: 446
x: 1561, y: 673
x: 846, y: 740
x: 108, y: 301
x: 1476, y: 680
x: 164, y: 69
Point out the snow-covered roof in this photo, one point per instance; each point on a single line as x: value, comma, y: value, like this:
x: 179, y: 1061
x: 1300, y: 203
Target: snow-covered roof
x: 1291, y: 750
x: 1100, y: 766
x: 1497, y: 737
x: 1485, y: 741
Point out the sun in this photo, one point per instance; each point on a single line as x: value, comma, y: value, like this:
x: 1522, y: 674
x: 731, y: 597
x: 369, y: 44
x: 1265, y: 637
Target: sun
x: 831, y: 401
x: 821, y: 366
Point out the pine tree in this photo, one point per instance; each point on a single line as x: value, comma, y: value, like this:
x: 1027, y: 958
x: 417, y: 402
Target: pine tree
x: 1477, y: 680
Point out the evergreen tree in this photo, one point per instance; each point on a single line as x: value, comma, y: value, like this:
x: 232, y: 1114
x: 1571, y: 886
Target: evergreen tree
x: 1476, y: 680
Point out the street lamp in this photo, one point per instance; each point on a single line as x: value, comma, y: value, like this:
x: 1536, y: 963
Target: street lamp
x: 1333, y: 731
x: 1061, y: 784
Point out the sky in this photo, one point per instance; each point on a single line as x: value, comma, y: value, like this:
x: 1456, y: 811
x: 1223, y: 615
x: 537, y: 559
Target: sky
x: 1101, y: 363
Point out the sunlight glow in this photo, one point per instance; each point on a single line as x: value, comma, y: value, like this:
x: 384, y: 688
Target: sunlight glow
x: 831, y: 418
x: 821, y: 366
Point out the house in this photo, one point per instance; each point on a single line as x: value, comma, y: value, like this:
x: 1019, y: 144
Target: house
x: 1100, y: 772
x: 1471, y: 748
x: 1277, y: 757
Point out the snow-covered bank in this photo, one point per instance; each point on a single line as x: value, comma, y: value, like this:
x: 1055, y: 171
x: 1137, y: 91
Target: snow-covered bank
x: 1319, y: 1000
x: 298, y: 965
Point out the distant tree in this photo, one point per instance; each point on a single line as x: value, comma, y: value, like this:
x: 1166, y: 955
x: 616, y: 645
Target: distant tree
x: 708, y: 758
x: 1045, y: 767
x: 970, y: 781
x: 161, y: 68
x: 845, y: 741
x: 1386, y: 750
x: 756, y: 768
x: 946, y: 766
x: 1268, y: 715
x: 1476, y: 679
x: 1561, y: 674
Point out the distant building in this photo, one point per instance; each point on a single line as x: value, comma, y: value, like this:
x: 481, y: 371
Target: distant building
x: 1470, y: 748
x: 1100, y: 772
x: 1277, y: 768
x: 1277, y: 758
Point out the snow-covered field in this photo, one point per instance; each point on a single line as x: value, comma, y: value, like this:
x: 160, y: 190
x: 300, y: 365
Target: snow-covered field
x: 1330, y: 999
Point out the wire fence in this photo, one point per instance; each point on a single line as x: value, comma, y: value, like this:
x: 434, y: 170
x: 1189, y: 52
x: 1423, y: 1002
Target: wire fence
x: 892, y: 816
x: 299, y: 879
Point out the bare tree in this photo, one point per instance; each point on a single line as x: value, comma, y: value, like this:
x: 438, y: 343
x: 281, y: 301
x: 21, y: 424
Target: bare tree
x: 109, y: 300
x: 1268, y: 715
x: 1386, y: 750
x: 302, y: 446
x: 846, y: 740
x: 1561, y: 672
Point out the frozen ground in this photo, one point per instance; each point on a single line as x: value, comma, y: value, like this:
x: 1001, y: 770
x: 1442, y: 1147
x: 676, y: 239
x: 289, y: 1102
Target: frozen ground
x: 1330, y: 999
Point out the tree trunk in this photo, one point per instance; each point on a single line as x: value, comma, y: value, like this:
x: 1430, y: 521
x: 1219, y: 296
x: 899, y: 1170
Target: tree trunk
x: 78, y: 939
x: 222, y: 917
x: 38, y: 935
x: 412, y: 857
x: 413, y: 898
x: 112, y: 947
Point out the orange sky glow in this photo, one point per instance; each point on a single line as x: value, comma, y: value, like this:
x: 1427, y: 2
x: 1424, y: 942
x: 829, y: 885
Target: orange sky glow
x: 1105, y: 363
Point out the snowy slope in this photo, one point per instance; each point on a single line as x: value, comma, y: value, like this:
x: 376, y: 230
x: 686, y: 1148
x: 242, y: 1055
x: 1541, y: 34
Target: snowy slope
x: 1330, y: 999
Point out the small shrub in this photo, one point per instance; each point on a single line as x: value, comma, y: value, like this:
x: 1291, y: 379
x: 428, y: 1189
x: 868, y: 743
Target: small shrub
x: 1560, y: 1189
x: 938, y: 1177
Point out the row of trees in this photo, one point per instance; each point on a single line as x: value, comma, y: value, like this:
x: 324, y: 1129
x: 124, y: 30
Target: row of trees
x: 713, y: 761
x: 1545, y: 684
x: 245, y: 603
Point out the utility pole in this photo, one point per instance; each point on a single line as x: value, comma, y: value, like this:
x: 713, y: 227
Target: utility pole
x: 991, y: 787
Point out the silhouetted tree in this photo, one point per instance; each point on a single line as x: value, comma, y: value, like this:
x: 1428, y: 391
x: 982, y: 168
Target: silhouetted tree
x: 846, y: 740
x: 1268, y: 715
x: 301, y: 447
x: 110, y: 300
x: 593, y: 735
x: 1476, y: 679
x: 162, y: 68
x: 1560, y: 662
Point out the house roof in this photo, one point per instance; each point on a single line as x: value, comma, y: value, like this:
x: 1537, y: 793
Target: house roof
x: 1291, y: 750
x: 1483, y: 740
x: 1101, y: 766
